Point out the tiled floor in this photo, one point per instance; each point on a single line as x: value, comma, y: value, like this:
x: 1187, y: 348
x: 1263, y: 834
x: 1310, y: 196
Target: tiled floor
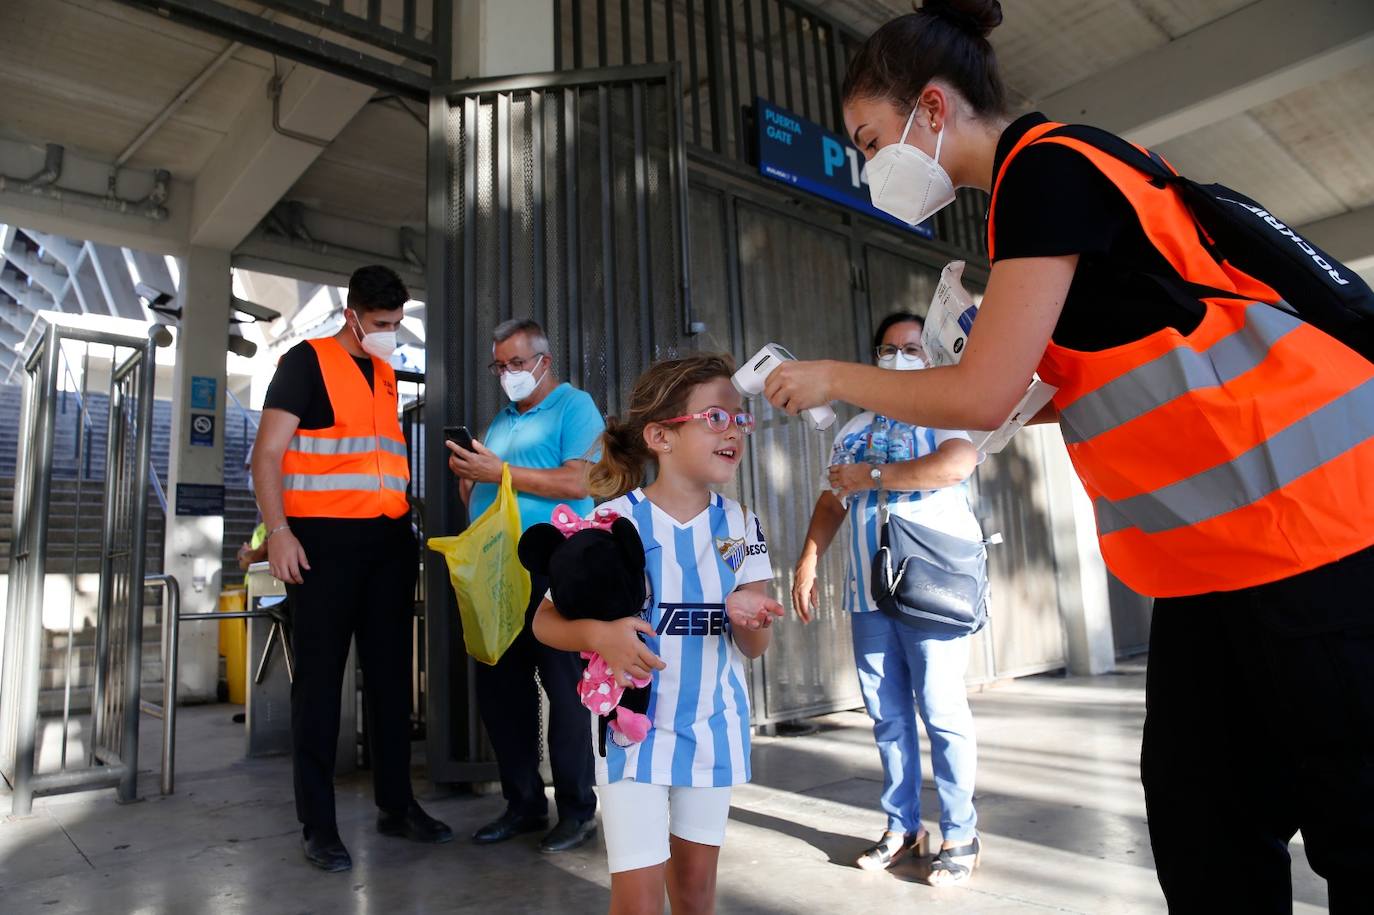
x: 1059, y: 798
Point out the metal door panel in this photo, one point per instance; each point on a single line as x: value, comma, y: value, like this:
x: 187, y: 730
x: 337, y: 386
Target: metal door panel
x: 795, y: 291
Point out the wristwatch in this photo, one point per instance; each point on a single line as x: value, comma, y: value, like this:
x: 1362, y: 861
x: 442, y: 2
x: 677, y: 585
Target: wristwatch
x: 876, y: 475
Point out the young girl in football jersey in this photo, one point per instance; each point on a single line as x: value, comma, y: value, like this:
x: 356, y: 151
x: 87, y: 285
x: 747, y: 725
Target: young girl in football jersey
x: 665, y: 801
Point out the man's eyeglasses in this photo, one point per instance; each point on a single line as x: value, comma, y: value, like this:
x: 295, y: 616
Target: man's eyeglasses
x: 718, y: 420
x: 515, y: 365
x: 911, y: 351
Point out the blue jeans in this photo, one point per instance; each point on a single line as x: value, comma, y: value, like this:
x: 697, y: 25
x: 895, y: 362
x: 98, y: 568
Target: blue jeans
x: 896, y: 666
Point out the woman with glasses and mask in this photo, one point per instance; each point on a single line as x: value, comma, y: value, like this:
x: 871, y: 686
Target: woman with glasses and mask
x: 1227, y: 446
x: 921, y: 475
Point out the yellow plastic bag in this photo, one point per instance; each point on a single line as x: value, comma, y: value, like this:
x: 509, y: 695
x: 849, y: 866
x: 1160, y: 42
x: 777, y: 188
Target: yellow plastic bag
x: 492, y: 587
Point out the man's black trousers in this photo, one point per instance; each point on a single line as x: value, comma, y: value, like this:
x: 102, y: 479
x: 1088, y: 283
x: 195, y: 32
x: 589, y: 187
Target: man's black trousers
x: 363, y: 588
x: 509, y: 702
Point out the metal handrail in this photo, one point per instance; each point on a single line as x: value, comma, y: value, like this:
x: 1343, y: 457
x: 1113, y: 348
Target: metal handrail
x: 157, y: 489
x: 172, y: 618
x: 247, y: 414
x: 86, y: 418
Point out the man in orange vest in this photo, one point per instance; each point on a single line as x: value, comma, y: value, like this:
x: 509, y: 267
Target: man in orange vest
x: 331, y: 474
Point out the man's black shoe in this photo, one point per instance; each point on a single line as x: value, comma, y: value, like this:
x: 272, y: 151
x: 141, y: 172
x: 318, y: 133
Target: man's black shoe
x: 415, y: 824
x: 326, y: 851
x: 508, y: 826
x: 568, y: 834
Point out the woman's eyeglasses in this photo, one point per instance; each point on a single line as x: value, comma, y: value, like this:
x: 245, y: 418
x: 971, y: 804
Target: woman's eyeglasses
x: 911, y: 351
x: 718, y: 420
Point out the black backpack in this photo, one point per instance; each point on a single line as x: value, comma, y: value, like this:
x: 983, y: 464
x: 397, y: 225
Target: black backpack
x: 1316, y: 287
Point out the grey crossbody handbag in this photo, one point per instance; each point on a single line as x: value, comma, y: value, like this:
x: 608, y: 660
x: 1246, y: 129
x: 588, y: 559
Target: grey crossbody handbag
x: 929, y: 580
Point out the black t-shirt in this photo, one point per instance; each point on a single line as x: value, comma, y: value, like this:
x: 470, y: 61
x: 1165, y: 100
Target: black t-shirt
x: 298, y: 388
x: 1052, y: 201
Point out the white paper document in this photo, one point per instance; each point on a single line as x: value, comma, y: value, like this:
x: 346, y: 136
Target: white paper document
x: 947, y: 326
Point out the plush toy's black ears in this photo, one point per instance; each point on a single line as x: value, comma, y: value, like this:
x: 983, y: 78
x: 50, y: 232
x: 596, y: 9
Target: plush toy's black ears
x: 627, y: 541
x: 537, y: 545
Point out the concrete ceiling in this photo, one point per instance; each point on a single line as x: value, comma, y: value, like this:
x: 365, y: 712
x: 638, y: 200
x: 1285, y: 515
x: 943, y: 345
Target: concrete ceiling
x: 91, y: 75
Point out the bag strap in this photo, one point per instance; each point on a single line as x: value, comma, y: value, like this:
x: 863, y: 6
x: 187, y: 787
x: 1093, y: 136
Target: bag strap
x: 1161, y: 173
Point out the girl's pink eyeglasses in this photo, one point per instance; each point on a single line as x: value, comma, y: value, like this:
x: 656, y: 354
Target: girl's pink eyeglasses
x: 718, y: 420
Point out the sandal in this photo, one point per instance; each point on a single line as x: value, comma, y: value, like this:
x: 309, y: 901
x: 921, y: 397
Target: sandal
x: 891, y: 848
x: 955, y: 865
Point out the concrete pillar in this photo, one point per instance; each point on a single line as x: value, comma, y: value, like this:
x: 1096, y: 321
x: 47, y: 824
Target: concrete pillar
x: 195, y: 524
x: 501, y: 37
x: 1084, y: 595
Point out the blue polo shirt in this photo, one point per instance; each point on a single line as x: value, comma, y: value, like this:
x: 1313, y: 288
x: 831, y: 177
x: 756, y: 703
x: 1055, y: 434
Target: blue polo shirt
x: 565, y: 426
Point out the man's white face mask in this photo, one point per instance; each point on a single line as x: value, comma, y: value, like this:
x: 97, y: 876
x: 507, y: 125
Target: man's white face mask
x: 519, y: 385
x: 380, y: 343
x: 906, y: 183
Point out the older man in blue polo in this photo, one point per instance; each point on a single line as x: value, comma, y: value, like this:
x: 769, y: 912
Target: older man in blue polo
x: 547, y: 433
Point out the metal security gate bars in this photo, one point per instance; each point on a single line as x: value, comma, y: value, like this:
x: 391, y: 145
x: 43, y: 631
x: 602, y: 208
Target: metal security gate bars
x: 38, y: 565
x: 561, y: 197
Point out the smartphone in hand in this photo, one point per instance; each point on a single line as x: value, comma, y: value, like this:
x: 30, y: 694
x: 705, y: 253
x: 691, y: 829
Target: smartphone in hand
x: 460, y: 436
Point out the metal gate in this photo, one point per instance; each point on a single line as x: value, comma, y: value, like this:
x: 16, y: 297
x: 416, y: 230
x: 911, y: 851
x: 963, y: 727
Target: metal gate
x: 111, y: 738
x: 560, y: 197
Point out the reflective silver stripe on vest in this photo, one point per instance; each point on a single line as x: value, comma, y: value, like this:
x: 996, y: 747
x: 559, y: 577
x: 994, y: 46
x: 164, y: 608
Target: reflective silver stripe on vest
x: 337, y: 482
x: 1175, y: 373
x: 1299, y: 449
x: 359, y: 444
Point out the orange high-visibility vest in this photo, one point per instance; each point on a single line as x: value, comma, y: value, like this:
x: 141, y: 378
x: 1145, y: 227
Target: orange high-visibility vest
x: 356, y: 468
x: 1239, y: 454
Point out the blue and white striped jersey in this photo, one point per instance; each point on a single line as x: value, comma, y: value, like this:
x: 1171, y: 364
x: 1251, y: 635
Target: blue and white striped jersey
x: 861, y: 441
x: 699, y: 703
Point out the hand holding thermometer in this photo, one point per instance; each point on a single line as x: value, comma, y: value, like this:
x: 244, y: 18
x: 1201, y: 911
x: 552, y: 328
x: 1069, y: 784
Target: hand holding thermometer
x: 749, y: 380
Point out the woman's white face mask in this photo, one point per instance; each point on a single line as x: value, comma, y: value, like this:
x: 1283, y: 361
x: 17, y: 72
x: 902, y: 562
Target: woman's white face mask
x: 906, y: 183
x: 901, y: 362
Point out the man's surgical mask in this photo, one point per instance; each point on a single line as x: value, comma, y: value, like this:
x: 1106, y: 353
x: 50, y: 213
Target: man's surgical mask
x: 380, y: 343
x: 906, y: 183
x: 520, y: 385
x: 901, y: 362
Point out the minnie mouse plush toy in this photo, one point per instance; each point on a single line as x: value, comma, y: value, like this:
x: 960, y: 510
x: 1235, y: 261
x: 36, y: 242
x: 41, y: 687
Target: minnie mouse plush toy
x: 596, y: 571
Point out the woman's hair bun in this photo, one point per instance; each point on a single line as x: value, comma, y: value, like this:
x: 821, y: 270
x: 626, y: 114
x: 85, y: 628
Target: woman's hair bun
x: 978, y: 17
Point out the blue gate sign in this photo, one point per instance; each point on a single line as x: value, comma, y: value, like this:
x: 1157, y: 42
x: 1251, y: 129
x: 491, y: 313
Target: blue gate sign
x: 805, y: 155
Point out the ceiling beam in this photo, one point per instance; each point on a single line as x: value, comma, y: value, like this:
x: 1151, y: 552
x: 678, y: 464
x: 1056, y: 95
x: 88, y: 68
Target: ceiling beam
x: 269, y: 147
x: 1261, y: 52
x: 373, y: 68
x: 117, y: 285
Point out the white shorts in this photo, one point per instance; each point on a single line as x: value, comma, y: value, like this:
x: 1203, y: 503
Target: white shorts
x: 636, y: 819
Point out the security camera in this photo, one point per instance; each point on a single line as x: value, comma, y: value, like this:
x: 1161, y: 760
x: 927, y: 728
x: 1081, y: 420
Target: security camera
x: 239, y: 345
x: 255, y: 311
x: 158, y: 301
x: 153, y: 297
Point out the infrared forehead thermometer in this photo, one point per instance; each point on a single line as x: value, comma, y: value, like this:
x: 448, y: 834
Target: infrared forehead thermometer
x: 750, y: 379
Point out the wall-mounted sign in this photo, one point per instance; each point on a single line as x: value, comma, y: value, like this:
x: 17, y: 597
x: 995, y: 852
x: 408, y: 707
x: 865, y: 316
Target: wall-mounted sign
x: 203, y: 390
x: 199, y: 499
x: 805, y: 155
x: 203, y: 429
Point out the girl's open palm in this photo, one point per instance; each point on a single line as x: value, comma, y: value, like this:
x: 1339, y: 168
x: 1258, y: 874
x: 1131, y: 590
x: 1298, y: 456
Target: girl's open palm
x: 749, y: 609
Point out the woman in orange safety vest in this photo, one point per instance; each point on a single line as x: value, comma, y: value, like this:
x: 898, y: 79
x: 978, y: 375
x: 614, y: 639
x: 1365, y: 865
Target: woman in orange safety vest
x: 1228, y: 449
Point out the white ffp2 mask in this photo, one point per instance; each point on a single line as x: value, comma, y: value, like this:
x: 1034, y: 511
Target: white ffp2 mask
x: 381, y: 343
x: 906, y: 183
x: 519, y: 385
x: 901, y: 362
